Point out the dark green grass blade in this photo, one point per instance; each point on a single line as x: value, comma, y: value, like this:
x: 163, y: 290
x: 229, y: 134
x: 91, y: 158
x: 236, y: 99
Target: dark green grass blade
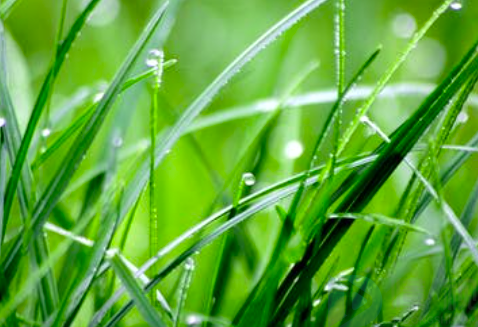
x: 264, y: 198
x: 375, y: 176
x: 86, y: 136
x: 410, y: 202
x: 286, y: 231
x: 47, y: 291
x: 42, y: 99
x: 148, y: 312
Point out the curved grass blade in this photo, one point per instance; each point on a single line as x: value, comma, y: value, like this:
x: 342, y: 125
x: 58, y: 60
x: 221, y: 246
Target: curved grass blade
x: 264, y: 106
x: 42, y: 99
x: 7, y: 7
x: 270, y: 195
x: 362, y: 111
x: 85, y: 138
x: 367, y: 185
x: 148, y: 312
x: 380, y: 220
x: 168, y: 139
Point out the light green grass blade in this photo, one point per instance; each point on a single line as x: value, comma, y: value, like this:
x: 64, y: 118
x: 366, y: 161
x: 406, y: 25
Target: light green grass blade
x: 404, y: 54
x: 259, y: 200
x: 86, y: 136
x: 7, y: 7
x: 380, y: 220
x: 148, y: 312
x: 168, y: 139
x: 42, y: 99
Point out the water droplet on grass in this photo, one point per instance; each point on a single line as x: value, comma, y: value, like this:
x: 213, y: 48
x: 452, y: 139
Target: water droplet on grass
x: 3, y: 122
x: 462, y: 117
x: 193, y: 320
x: 98, y: 96
x: 46, y: 132
x: 457, y: 5
x: 430, y: 242
x: 249, y: 179
x: 190, y: 264
x: 117, y: 141
x: 154, y: 58
x: 293, y: 149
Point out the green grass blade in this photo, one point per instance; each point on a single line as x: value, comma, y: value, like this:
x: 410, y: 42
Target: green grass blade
x: 390, y: 156
x: 88, y: 133
x: 270, y: 196
x: 7, y: 7
x: 168, y: 139
x: 362, y: 111
x: 42, y: 99
x: 148, y: 312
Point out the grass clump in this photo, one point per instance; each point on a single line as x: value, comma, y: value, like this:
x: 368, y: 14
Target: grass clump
x: 362, y: 230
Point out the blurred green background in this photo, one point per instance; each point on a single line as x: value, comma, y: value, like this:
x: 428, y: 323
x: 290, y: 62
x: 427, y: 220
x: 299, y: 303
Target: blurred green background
x: 208, y: 35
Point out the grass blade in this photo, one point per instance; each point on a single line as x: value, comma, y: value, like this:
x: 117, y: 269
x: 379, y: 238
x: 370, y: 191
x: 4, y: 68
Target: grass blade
x: 145, y: 308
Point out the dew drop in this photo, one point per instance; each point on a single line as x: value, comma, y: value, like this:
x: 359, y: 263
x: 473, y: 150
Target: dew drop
x: 249, y: 179
x: 46, y: 132
x: 117, y: 141
x: 3, y: 122
x: 190, y: 264
x: 430, y: 242
x: 98, y: 96
x: 293, y: 149
x: 193, y: 320
x: 456, y: 5
x: 154, y: 58
x: 462, y: 117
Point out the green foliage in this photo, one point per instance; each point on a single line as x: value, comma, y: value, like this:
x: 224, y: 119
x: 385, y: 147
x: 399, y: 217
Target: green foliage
x: 352, y: 226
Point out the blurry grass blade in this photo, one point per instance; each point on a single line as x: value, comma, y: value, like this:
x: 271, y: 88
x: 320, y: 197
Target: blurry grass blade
x: 3, y: 178
x: 340, y: 45
x: 145, y: 308
x: 167, y: 140
x: 7, y: 7
x: 412, y: 44
x: 80, y: 121
x: 189, y: 267
x: 297, y: 102
x: 60, y: 55
x: 270, y: 196
x: 380, y: 220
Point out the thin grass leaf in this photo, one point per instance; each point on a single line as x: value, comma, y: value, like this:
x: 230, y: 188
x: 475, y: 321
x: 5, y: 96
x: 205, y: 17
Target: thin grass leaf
x: 88, y: 133
x: 370, y: 181
x: 189, y: 267
x: 148, y: 312
x: 168, y: 139
x: 380, y: 220
x: 271, y: 196
x: 7, y: 7
x: 60, y: 55
x: 380, y: 85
